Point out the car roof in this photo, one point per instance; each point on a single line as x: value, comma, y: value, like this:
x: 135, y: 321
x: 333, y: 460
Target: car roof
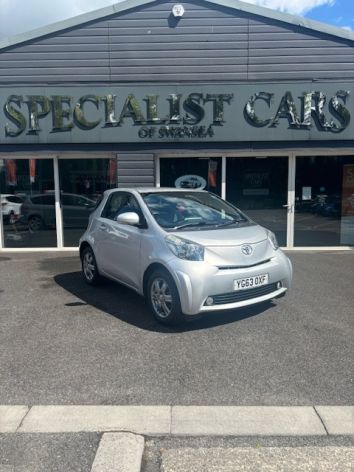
x: 152, y: 189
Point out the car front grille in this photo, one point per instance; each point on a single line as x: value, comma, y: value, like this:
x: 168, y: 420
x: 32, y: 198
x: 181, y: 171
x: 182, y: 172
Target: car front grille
x: 239, y: 296
x: 232, y: 267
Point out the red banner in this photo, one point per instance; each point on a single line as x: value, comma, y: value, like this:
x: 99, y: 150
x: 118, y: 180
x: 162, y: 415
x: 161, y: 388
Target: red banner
x: 212, y: 173
x: 11, y: 176
x: 112, y: 172
x: 32, y: 170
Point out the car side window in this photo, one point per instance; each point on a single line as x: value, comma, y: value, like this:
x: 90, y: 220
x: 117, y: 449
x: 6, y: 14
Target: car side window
x: 43, y: 200
x: 68, y: 200
x: 119, y: 203
x: 14, y: 199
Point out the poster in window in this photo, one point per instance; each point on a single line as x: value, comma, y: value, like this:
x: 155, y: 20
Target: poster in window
x: 255, y: 183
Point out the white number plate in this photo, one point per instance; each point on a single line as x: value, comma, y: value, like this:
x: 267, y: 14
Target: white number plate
x: 251, y: 282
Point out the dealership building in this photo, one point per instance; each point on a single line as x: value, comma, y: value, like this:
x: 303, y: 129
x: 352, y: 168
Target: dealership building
x: 253, y: 105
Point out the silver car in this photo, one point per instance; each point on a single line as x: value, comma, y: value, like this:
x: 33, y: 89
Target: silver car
x: 187, y: 251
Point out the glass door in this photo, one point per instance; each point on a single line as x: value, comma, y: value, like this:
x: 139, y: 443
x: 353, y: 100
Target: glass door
x: 259, y: 187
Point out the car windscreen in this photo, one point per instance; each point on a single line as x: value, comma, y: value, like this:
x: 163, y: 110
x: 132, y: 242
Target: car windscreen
x: 192, y: 210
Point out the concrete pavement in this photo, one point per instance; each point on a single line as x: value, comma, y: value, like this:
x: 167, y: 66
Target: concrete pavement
x: 113, y: 438
x: 180, y: 420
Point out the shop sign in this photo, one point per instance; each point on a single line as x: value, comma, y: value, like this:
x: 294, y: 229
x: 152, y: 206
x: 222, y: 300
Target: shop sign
x: 190, y: 181
x: 138, y: 113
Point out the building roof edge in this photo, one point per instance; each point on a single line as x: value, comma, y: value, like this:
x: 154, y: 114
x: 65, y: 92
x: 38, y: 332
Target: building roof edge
x: 129, y: 4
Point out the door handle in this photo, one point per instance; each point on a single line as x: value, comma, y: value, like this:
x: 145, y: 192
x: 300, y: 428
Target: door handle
x: 102, y: 227
x: 289, y: 207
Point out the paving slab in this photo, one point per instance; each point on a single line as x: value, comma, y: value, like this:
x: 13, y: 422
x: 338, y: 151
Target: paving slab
x: 245, y: 421
x: 148, y: 420
x: 267, y: 459
x: 11, y: 417
x: 119, y: 452
x: 337, y: 419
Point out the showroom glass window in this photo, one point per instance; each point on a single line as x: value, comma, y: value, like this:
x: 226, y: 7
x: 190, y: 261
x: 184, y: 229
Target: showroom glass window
x: 202, y: 173
x: 82, y: 183
x: 27, y: 203
x: 324, y: 201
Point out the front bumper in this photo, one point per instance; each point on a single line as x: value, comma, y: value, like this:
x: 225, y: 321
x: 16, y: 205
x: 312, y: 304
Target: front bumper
x: 196, y: 281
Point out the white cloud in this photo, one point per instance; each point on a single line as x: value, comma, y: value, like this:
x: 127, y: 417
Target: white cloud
x: 297, y: 7
x: 348, y: 28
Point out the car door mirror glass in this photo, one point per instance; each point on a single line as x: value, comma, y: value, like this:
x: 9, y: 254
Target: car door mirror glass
x: 129, y: 218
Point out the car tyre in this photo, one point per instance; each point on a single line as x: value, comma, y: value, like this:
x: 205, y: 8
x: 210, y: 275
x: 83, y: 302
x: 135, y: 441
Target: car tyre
x: 89, y: 267
x: 163, y: 298
x: 35, y: 223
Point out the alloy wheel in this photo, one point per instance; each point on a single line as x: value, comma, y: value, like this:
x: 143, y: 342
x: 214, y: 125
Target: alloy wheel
x: 161, y: 297
x: 35, y: 223
x: 88, y: 266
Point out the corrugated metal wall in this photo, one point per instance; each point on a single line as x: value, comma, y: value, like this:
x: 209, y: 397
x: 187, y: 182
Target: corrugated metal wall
x: 136, y: 170
x: 209, y: 43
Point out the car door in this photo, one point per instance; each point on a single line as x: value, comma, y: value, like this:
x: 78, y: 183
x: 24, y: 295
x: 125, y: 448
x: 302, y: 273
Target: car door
x: 118, y: 245
x: 46, y: 209
x: 76, y: 210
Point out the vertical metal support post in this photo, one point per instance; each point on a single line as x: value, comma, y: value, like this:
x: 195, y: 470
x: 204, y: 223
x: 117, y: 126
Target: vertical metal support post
x: 1, y: 228
x: 223, y: 177
x: 157, y: 171
x: 291, y: 201
x: 58, y: 210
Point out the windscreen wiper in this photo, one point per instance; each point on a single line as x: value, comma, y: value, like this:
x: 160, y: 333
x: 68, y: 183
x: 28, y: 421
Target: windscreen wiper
x: 190, y: 224
x: 233, y: 222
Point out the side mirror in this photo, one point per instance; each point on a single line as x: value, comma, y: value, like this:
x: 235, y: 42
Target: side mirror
x: 129, y: 218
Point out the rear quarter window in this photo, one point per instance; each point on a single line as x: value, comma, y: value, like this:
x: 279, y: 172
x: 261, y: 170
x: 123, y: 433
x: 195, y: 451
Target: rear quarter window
x: 14, y: 199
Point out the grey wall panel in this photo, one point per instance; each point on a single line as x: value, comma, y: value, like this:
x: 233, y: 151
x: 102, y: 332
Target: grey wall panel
x: 279, y: 52
x: 200, y: 46
x: 208, y: 44
x: 188, y: 77
x: 148, y: 63
x: 136, y: 169
x: 304, y: 60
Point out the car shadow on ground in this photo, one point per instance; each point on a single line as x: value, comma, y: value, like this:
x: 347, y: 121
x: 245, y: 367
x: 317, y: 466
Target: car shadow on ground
x: 124, y: 304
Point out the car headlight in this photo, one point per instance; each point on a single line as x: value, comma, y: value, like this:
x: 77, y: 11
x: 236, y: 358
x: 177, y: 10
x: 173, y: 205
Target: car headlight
x: 273, y: 240
x: 185, y: 249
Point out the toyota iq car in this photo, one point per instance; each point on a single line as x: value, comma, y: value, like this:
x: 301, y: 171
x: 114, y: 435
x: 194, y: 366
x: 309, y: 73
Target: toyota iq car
x: 187, y: 251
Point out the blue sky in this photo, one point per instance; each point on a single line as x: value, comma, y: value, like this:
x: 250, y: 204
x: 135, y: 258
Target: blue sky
x: 15, y: 18
x: 341, y: 14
